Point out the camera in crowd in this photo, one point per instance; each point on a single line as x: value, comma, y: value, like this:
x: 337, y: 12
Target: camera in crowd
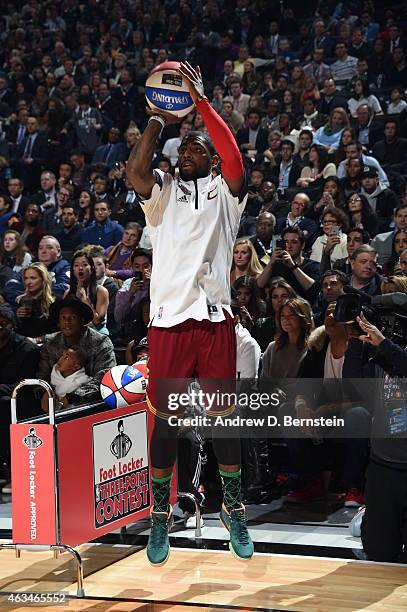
x: 387, y: 312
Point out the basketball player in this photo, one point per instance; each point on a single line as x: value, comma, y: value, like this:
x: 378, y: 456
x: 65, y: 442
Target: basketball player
x: 192, y: 221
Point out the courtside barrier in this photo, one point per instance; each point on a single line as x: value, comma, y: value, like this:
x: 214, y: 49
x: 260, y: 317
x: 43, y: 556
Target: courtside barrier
x: 76, y: 480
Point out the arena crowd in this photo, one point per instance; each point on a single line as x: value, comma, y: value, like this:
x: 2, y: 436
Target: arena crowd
x: 315, y: 95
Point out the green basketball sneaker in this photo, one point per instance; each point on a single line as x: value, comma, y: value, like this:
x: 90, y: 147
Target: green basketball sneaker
x: 241, y: 544
x: 158, y: 547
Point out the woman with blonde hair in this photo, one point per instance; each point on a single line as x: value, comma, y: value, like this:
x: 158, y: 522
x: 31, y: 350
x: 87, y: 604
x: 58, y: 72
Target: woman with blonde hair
x: 34, y: 304
x: 282, y: 358
x: 12, y: 251
x: 394, y: 284
x: 245, y: 261
x: 329, y: 135
x: 131, y: 136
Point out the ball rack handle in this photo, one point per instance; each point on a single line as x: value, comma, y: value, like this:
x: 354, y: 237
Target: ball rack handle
x: 33, y: 382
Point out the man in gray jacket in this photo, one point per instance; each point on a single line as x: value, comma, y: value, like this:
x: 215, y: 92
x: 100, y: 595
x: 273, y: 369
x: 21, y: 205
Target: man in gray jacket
x: 383, y: 243
x: 73, y: 318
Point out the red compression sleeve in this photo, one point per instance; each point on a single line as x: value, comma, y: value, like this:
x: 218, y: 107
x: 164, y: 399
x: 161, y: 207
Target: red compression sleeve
x: 223, y: 141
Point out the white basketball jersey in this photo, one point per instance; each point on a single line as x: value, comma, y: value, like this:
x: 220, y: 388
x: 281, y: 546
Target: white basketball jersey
x: 193, y: 227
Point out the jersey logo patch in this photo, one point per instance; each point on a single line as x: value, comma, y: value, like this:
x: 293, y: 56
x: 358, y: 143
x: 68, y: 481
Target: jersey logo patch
x: 182, y: 199
x: 212, y: 194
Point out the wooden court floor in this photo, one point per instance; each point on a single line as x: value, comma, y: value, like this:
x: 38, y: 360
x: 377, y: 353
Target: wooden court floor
x: 119, y: 579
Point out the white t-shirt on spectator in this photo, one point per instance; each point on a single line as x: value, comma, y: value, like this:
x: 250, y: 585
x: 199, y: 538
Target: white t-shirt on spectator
x: 371, y: 101
x: 340, y: 251
x: 170, y: 149
x: 248, y: 353
x: 192, y: 228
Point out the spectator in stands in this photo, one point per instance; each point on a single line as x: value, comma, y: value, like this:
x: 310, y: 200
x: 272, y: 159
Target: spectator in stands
x: 329, y: 135
x: 283, y: 356
x: 269, y: 200
x: 383, y: 243
x: 330, y: 355
x: 245, y: 260
x: 331, y: 98
x: 367, y: 130
x: 102, y: 231
x: 87, y: 123
x: 84, y: 287
x: 359, y: 47
x: 397, y: 104
x: 356, y: 237
x: 32, y: 155
x: 354, y: 150
x: 311, y: 119
x: 397, y: 74
x: 47, y: 196
x: 317, y: 68
x: 364, y: 274
x: 7, y: 217
x: 318, y: 168
x: 262, y: 241
x: 49, y: 254
x: 290, y: 264
x: 333, y: 239
x: 286, y: 171
x: 304, y: 145
x: 120, y: 256
x: 251, y: 78
x: 271, y: 120
x: 252, y: 140
x: 34, y: 304
x: 101, y: 186
x: 112, y: 152
x: 320, y: 40
x: 233, y: 119
x: 30, y: 229
x: 331, y: 197
x: 12, y: 252
x: 265, y: 327
x: 391, y: 152
x: 272, y: 155
x: 369, y: 28
x: 86, y: 207
x: 81, y: 170
x: 251, y: 306
x: 402, y: 264
x: 297, y: 217
x: 381, y: 200
x: 73, y: 317
x: 52, y: 219
x: 127, y: 204
x: 399, y: 245
x: 104, y: 280
x: 345, y: 66
x: 239, y: 99
x: 134, y: 290
x: 19, y: 360
x: 332, y: 284
x: 347, y: 136
x: 361, y: 214
x: 18, y: 200
x: 362, y: 95
x: 69, y: 235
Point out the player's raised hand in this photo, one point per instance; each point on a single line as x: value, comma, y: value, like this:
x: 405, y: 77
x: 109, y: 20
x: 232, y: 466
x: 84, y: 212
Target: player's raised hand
x: 194, y: 79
